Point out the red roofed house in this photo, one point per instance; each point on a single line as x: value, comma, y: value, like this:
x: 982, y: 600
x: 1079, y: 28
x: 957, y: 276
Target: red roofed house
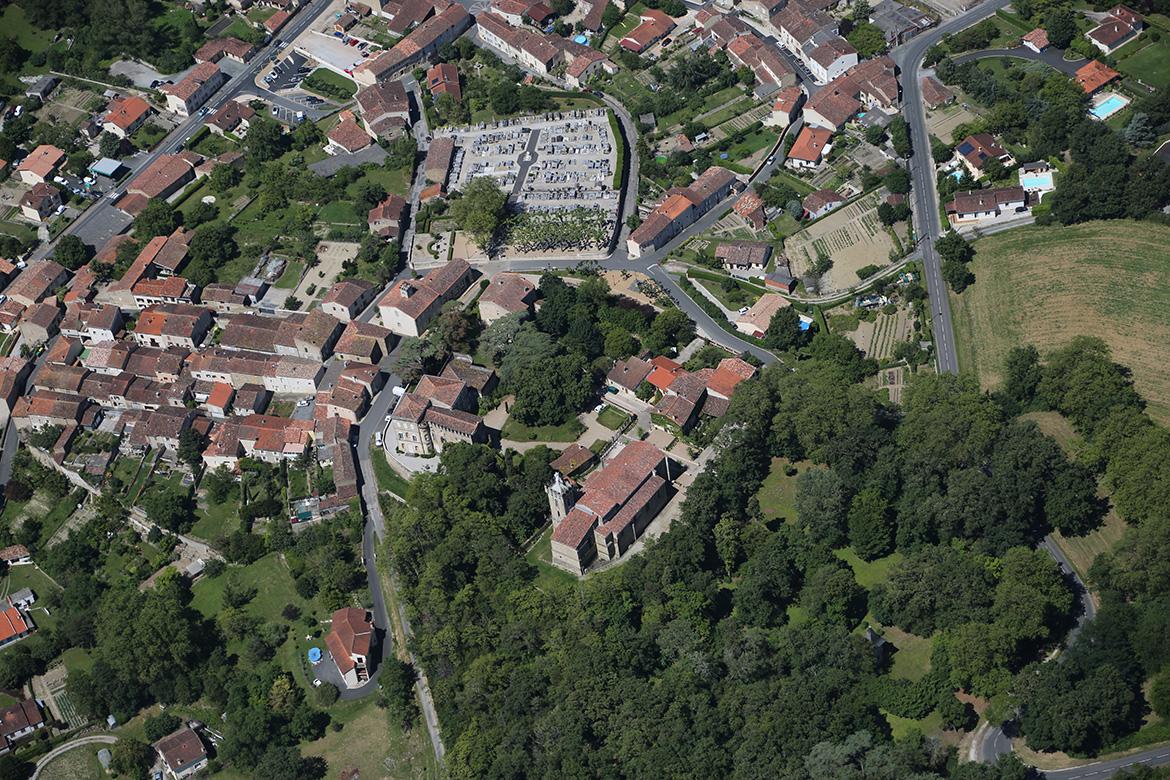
x: 14, y: 625
x: 1037, y: 40
x: 508, y: 293
x: 934, y: 94
x: 40, y: 201
x: 348, y: 298
x: 347, y: 136
x: 1095, y: 74
x: 443, y: 79
x: 182, y: 753
x: 350, y: 641
x: 1120, y: 26
x: 680, y: 208
x: 410, y: 304
x: 385, y: 109
x: 194, y: 89
x: 386, y: 219
x: 163, y: 178
x: 279, y: 19
x: 612, y: 510
x: 125, y: 115
x: 217, y: 49
x: 974, y: 151
x: 655, y: 26
x: 751, y: 207
x: 818, y: 204
x: 40, y: 164
x: 787, y: 103
x: 810, y: 148
x: 19, y: 721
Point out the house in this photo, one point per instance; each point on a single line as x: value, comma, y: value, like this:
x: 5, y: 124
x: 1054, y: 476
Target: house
x: 348, y: 298
x: 36, y: 282
x: 438, y: 159
x: 162, y: 178
x: 39, y: 323
x: 512, y: 11
x: 385, y: 109
x: 347, y: 136
x: 193, y: 90
x: 540, y: 14
x: 934, y: 94
x: 786, y: 105
x: 408, y: 14
x: 42, y: 88
x: 172, y: 325
x: 812, y: 36
x: 743, y: 258
x: 346, y: 400
x: 15, y: 555
x: 40, y: 164
x: 1120, y: 26
x: 168, y: 289
x: 350, y: 641
x: 443, y: 79
x: 232, y: 117
x: 872, y: 85
x: 18, y: 722
x: 533, y: 50
x: 410, y: 304
x: 437, y: 412
x: 317, y: 334
x: 819, y: 203
x: 606, y: 515
x: 974, y: 151
x: 1037, y: 40
x: 278, y: 20
x: 899, y: 23
x: 507, y: 293
x: 363, y: 342
x: 810, y: 148
x: 14, y: 624
x: 219, y: 400
x: 125, y: 115
x: 972, y: 208
x: 387, y: 218
x: 764, y: 60
x: 182, y: 753
x: 627, y: 375
x: 482, y: 380
x: 419, y: 45
x: 92, y: 322
x: 750, y: 206
x: 1093, y: 75
x: 217, y: 49
x: 46, y: 407
x: 679, y: 209
x: 759, y: 316
x: 655, y: 25
x: 40, y: 202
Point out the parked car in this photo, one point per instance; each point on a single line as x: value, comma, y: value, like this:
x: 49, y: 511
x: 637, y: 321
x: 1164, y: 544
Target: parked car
x: 378, y: 439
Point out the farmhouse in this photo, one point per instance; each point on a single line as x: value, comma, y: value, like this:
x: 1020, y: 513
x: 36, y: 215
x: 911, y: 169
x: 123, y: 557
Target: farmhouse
x: 759, y: 316
x: 350, y: 641
x: 743, y: 258
x: 1120, y: 26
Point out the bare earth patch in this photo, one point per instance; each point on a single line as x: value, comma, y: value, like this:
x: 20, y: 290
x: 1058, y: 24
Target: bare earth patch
x: 852, y: 236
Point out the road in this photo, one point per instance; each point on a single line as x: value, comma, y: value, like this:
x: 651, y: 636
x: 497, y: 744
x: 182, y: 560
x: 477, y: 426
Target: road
x: 1051, y: 56
x: 102, y: 219
x: 927, y: 223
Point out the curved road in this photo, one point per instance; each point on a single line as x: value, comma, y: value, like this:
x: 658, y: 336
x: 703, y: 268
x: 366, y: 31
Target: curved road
x: 1054, y: 58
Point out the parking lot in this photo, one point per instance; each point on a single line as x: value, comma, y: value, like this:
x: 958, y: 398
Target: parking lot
x: 339, y: 52
x: 288, y: 73
x: 557, y: 162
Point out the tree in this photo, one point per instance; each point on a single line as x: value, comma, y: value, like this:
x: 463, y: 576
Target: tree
x: 191, y: 446
x: 900, y: 136
x: 159, y: 218
x: 1022, y: 374
x: 954, y: 247
x: 131, y: 757
x: 821, y: 505
x: 619, y: 344
x: 897, y: 180
x: 1061, y: 25
x: 223, y: 177
x: 1140, y: 131
x: 550, y: 392
x: 72, y: 252
x: 831, y: 593
x: 169, y: 507
x: 867, y: 38
x: 481, y: 209
x: 956, y: 275
x: 670, y: 328
x: 398, y: 691
x: 871, y: 529
x: 158, y: 726
x: 109, y: 145
x: 265, y: 140
x: 219, y: 484
x: 1160, y: 693
x: 784, y: 332
x: 956, y: 715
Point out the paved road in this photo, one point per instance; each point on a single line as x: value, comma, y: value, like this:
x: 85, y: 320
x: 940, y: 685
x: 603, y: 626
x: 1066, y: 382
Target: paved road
x: 926, y: 216
x: 96, y: 224
x: 1051, y: 56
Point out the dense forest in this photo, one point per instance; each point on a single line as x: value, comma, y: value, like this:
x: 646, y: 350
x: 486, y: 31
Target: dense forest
x: 686, y: 661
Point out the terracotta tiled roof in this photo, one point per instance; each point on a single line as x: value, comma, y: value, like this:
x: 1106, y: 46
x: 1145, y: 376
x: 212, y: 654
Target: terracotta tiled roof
x: 810, y: 144
x: 125, y: 112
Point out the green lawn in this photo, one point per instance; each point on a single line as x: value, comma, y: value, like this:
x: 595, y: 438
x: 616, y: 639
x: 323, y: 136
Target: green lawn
x: 741, y: 295
x: 270, y: 577
x: 260, y: 15
x: 217, y: 520
x: 900, y: 728
x: 741, y: 106
x: 340, y: 212
x: 628, y: 22
x: 778, y: 492
x: 147, y: 136
x: 15, y: 24
x: 612, y: 418
x: 369, y: 742
x: 540, y: 556
x: 387, y: 477
x: 868, y: 573
x: 77, y: 660
x: 329, y: 84
x: 1045, y: 285
x: 281, y: 408
x: 238, y: 29
x: 393, y: 180
x: 912, y: 659
x: 291, y: 276
x: 1151, y: 63
x: 515, y: 430
x: 81, y: 763
x: 29, y: 576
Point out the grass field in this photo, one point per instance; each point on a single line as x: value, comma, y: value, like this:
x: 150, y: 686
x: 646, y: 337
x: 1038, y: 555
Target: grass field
x: 329, y: 84
x: 515, y: 430
x: 868, y: 573
x: 371, y: 744
x: 78, y: 764
x: 216, y: 520
x: 1044, y: 285
x: 778, y: 493
x: 387, y: 477
x: 1150, y: 63
x: 16, y: 25
x: 540, y: 556
x: 612, y: 418
x: 291, y: 276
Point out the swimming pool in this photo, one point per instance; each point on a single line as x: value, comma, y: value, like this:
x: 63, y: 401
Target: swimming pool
x: 1036, y: 181
x: 581, y: 39
x: 1108, y: 105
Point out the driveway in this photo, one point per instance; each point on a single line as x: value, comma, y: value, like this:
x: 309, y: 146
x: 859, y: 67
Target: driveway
x: 1052, y: 57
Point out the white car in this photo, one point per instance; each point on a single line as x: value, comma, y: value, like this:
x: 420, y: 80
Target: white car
x: 743, y: 310
x: 771, y: 159
x: 316, y: 682
x: 378, y: 439
x: 304, y: 402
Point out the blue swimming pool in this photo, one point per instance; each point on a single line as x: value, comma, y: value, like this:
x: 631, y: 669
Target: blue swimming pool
x: 1036, y: 181
x: 1109, y: 106
x: 581, y: 39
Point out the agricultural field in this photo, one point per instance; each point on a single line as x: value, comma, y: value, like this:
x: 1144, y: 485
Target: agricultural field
x: 1045, y: 285
x: 852, y: 237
